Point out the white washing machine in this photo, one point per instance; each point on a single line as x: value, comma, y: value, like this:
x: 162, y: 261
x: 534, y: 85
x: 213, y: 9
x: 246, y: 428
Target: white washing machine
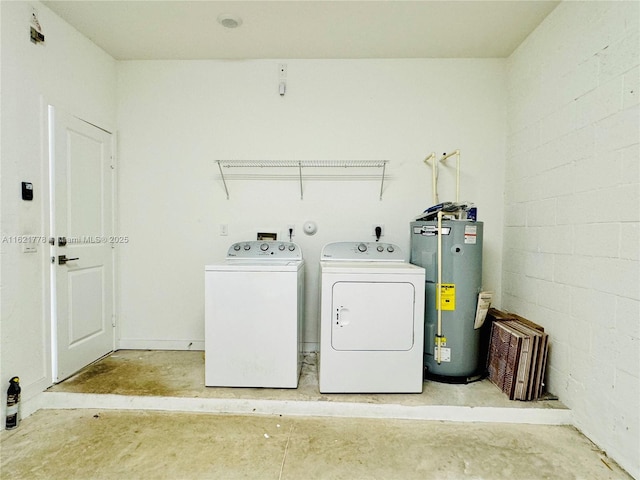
x: 371, y: 320
x: 254, y: 307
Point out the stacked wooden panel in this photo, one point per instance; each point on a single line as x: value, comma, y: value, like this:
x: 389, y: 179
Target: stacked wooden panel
x: 517, y: 355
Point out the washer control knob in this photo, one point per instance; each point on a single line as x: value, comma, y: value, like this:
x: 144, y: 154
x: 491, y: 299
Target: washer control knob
x: 362, y: 247
x: 247, y: 247
x: 236, y: 247
x: 292, y: 248
x: 264, y: 247
x: 390, y: 249
x: 281, y: 247
x: 380, y: 248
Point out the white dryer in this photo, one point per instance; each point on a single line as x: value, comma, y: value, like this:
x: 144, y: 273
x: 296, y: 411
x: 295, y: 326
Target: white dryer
x: 254, y: 307
x: 371, y: 320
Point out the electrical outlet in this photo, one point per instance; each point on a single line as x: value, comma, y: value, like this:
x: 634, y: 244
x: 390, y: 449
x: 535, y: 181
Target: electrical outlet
x: 373, y: 229
x: 224, y: 230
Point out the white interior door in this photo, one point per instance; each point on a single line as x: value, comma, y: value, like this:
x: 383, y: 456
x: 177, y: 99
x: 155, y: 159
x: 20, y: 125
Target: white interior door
x: 81, y: 214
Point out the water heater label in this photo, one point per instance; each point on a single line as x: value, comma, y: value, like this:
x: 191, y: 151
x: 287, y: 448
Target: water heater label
x: 470, y: 234
x: 430, y: 230
x: 448, y: 296
x: 445, y: 354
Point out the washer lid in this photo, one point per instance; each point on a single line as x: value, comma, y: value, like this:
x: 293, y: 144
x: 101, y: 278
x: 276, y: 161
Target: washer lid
x: 256, y: 265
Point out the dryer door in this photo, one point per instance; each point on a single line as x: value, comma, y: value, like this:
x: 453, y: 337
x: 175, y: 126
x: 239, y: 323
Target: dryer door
x: 372, y: 316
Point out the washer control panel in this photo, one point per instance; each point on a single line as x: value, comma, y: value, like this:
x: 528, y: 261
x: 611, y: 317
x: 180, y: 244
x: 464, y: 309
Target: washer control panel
x: 265, y: 250
x: 362, y: 251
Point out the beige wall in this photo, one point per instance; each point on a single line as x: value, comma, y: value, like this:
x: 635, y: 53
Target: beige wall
x: 176, y: 118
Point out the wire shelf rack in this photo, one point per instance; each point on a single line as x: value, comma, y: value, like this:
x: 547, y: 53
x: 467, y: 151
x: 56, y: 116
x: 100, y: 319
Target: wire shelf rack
x: 299, y: 165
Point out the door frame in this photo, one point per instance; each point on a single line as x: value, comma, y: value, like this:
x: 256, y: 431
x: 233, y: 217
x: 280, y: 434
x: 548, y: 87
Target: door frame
x: 48, y: 206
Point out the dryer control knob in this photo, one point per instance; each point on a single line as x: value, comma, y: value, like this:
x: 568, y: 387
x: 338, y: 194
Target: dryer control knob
x: 390, y: 249
x: 281, y: 247
x: 292, y: 248
x: 362, y: 247
x: 380, y: 248
x: 236, y: 247
x: 247, y: 247
x: 264, y: 247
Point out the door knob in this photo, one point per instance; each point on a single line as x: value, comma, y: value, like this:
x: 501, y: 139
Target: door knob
x: 62, y: 259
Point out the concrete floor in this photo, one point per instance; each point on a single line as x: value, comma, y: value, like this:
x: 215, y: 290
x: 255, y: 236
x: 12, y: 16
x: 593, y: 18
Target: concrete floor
x: 180, y: 374
x: 94, y: 444
x: 89, y: 427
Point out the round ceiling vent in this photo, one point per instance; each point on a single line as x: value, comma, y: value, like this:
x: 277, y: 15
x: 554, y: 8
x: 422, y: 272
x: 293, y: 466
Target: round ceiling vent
x: 229, y: 21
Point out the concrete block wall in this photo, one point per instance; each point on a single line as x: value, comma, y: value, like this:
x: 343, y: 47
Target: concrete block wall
x: 572, y: 211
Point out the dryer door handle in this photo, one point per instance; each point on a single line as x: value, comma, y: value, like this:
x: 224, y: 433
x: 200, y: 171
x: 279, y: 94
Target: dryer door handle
x: 342, y: 316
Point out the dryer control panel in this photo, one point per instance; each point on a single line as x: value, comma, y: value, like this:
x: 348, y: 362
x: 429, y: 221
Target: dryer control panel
x: 265, y: 250
x: 362, y: 251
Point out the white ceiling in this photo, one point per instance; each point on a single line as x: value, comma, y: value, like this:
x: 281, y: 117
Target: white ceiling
x: 149, y: 29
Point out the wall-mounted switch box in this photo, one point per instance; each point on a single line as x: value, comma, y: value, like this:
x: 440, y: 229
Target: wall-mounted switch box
x: 267, y: 236
x: 35, y: 36
x: 27, y: 191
